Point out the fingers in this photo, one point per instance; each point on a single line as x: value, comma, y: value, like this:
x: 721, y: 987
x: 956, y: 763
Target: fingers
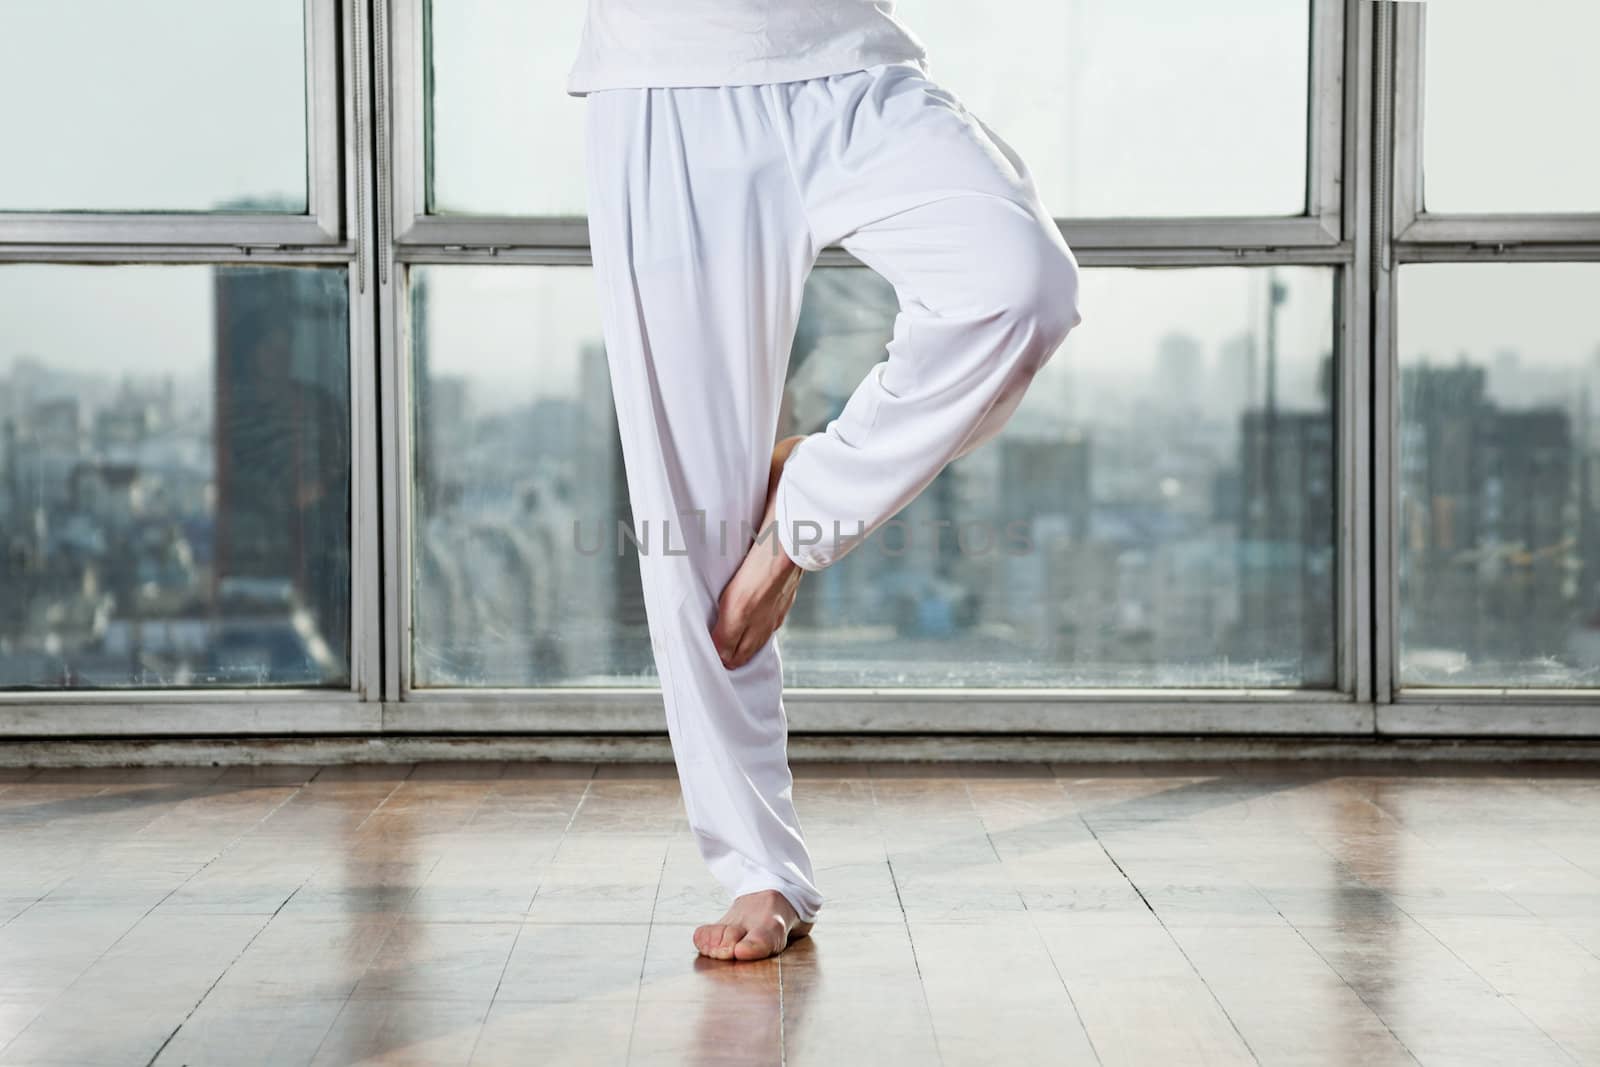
x: 739, y: 634
x: 747, y: 648
x: 726, y: 641
x: 736, y: 637
x: 736, y: 650
x: 751, y: 640
x: 725, y: 631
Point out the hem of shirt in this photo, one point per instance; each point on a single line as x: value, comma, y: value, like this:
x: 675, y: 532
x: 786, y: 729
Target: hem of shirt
x: 581, y: 84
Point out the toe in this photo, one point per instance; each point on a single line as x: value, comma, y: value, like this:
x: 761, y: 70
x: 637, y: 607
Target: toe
x: 731, y: 935
x: 717, y: 939
x: 755, y: 946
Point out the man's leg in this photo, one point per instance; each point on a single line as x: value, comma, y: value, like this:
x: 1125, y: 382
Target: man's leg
x: 897, y: 171
x: 701, y: 250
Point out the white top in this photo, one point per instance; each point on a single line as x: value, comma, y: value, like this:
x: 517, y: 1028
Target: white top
x: 656, y: 43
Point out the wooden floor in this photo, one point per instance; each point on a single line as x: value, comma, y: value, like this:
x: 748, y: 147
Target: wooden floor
x: 533, y: 914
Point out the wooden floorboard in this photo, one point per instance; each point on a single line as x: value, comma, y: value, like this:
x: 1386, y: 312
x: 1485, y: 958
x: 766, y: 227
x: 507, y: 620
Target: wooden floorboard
x: 491, y: 913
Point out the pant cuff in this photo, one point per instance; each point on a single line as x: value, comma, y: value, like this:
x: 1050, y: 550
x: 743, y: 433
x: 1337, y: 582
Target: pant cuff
x: 802, y: 908
x: 806, y: 902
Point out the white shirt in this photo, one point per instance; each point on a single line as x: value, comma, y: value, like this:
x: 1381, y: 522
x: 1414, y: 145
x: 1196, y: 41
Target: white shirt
x: 657, y: 43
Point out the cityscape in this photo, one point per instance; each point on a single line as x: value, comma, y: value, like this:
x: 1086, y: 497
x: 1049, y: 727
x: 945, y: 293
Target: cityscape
x: 1179, y: 537
x: 1145, y: 508
x: 193, y: 529
x: 174, y: 531
x: 1499, y: 524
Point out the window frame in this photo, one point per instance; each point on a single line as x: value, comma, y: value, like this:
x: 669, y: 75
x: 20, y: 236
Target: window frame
x: 1409, y: 236
x: 1413, y: 224
x: 1317, y: 227
x: 338, y: 234
x: 1363, y: 152
x: 1330, y: 233
x: 320, y: 226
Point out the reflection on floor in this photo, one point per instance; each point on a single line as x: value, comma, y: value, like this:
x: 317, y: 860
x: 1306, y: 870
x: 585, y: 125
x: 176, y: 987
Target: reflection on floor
x: 525, y: 913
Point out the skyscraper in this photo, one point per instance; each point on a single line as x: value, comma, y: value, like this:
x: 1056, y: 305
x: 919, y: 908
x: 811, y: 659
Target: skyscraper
x: 283, y: 454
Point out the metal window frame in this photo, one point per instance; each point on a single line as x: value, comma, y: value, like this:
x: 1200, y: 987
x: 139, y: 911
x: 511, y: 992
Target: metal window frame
x: 1363, y: 192
x: 342, y: 85
x: 1412, y: 235
x: 1326, y: 235
x: 1318, y: 227
x: 1413, y: 223
x: 1384, y: 429
x: 320, y: 226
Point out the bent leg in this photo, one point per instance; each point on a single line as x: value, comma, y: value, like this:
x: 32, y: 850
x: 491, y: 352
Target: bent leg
x: 919, y: 190
x: 700, y: 254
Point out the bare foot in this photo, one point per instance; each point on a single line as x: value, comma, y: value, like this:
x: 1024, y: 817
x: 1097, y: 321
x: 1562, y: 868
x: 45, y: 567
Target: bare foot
x: 759, y: 595
x: 758, y: 925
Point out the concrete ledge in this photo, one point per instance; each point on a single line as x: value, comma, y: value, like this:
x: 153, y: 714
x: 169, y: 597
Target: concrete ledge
x: 585, y: 712
x: 117, y: 752
x: 1488, y: 715
x: 914, y: 712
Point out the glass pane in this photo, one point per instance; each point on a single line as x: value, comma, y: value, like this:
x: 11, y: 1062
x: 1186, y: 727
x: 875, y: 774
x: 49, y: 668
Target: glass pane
x: 1508, y: 95
x: 1499, y: 519
x: 517, y: 455
x: 174, y: 476
x: 170, y: 105
x: 505, y: 137
x: 1159, y: 512
x: 1160, y: 108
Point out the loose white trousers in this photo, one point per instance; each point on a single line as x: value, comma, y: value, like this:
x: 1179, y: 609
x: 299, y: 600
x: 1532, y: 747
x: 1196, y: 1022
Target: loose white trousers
x: 707, y: 209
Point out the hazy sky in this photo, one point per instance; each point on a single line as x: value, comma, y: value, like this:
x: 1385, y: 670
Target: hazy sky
x: 1514, y: 106
x: 1118, y: 107
x: 532, y: 320
x: 1548, y: 312
x: 171, y: 105
x: 1155, y: 106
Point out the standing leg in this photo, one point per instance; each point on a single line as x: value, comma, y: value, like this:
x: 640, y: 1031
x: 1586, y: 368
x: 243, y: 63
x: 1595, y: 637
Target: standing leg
x: 700, y: 253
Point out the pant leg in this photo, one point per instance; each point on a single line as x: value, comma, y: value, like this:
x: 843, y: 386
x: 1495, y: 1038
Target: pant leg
x: 700, y: 253
x: 896, y: 170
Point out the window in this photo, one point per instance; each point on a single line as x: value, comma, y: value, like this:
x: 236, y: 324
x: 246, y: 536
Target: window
x: 1496, y: 351
x: 1499, y: 517
x: 176, y: 477
x: 1217, y: 126
x: 1506, y: 101
x: 1160, y: 511
x: 178, y: 468
x: 502, y: 137
x: 104, y: 114
x: 1176, y: 471
x: 305, y: 422
x: 519, y: 577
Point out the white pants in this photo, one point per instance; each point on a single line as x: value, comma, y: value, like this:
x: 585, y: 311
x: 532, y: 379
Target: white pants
x: 707, y: 209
